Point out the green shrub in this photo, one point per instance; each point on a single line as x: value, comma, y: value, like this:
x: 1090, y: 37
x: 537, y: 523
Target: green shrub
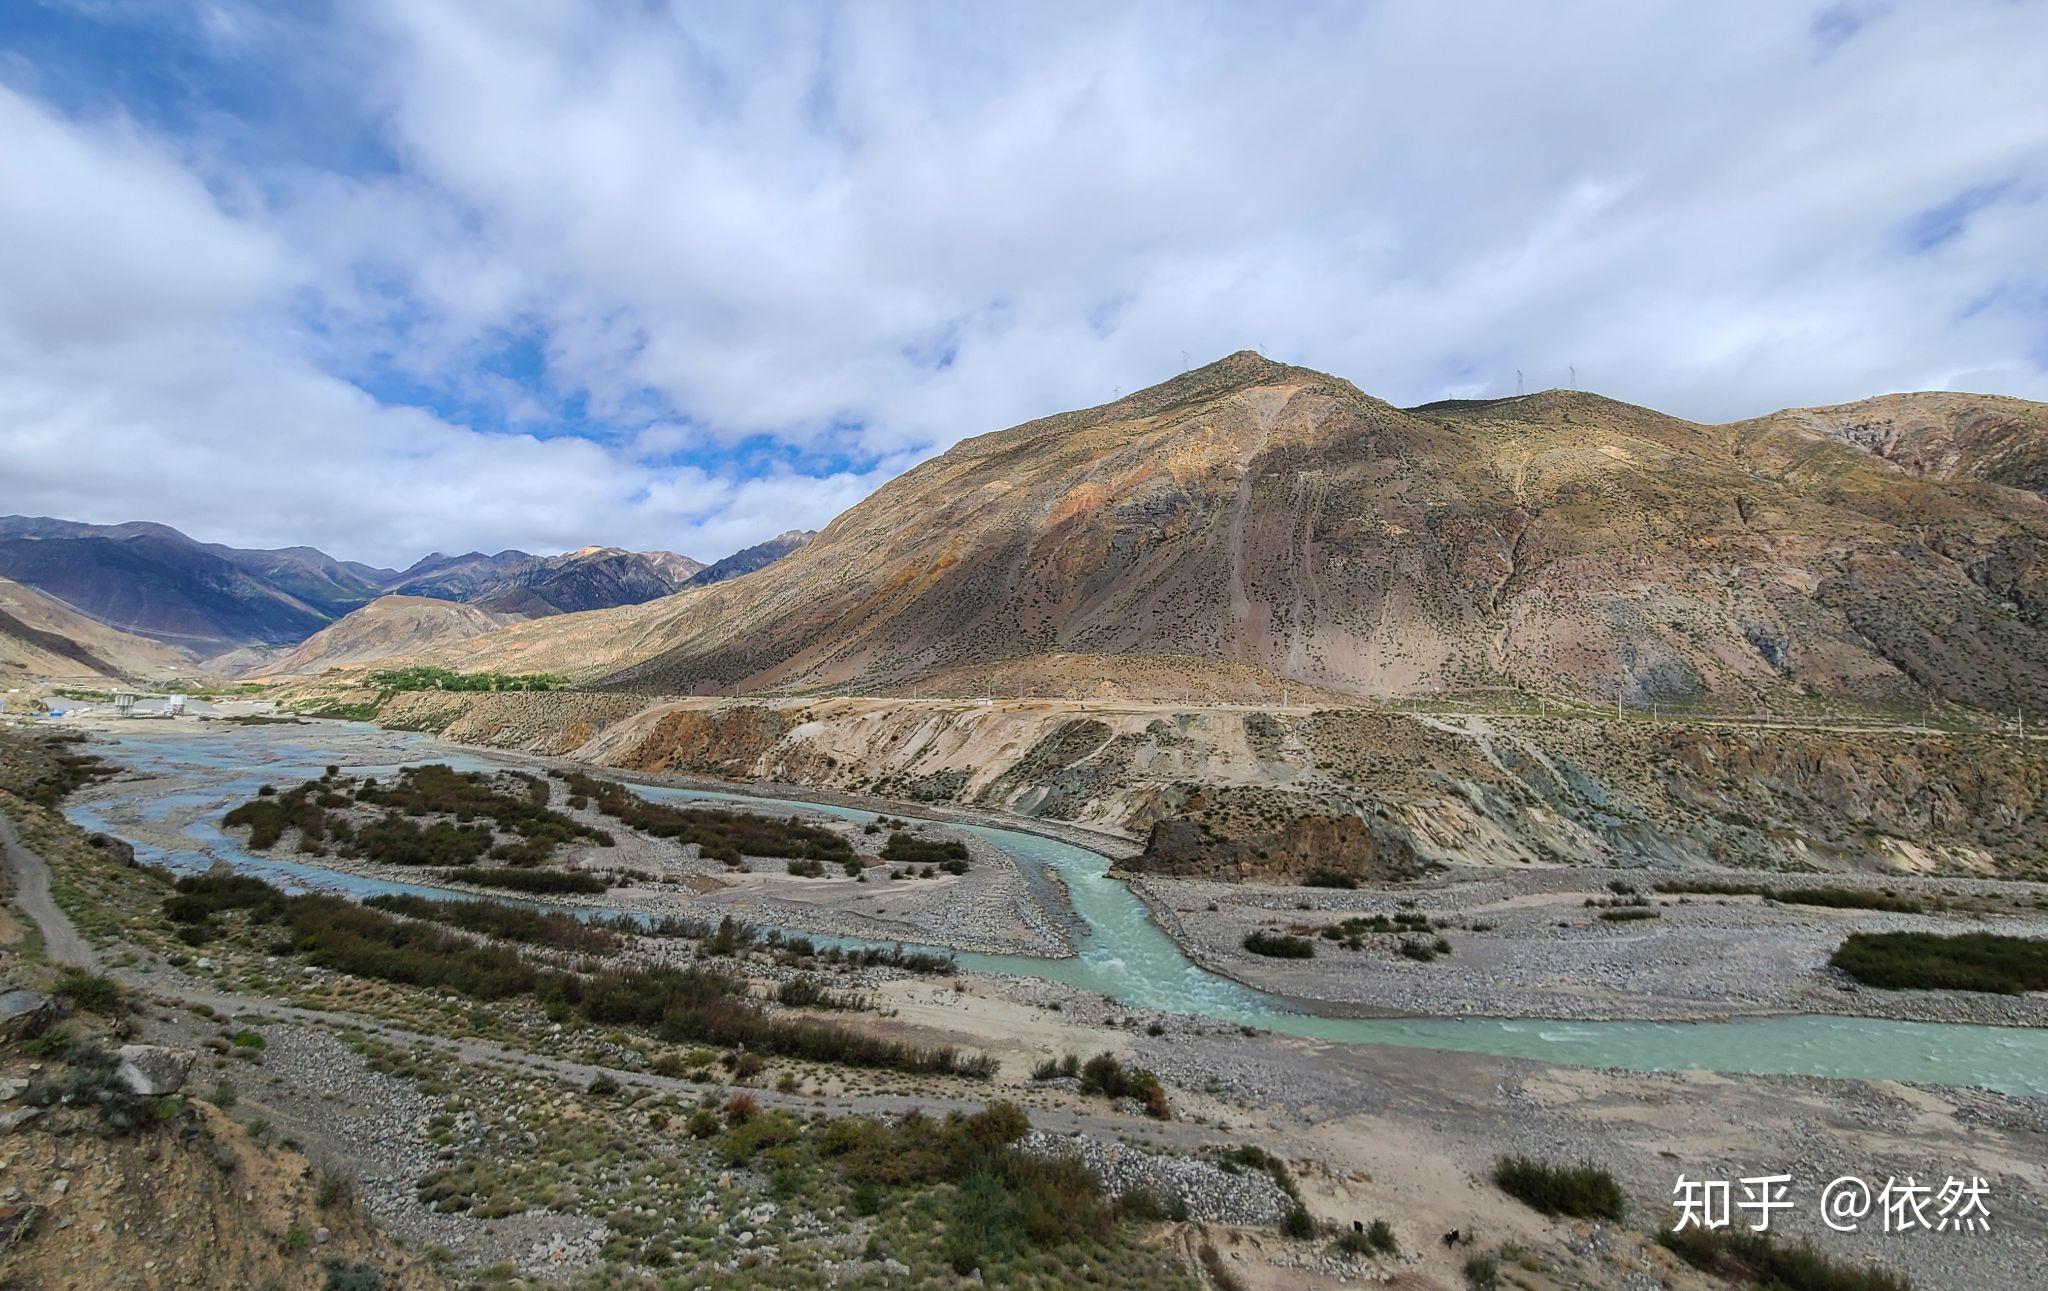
x: 1279, y: 945
x: 1970, y: 961
x: 505, y: 922
x: 353, y: 1275
x: 1582, y: 1191
x: 1628, y: 914
x: 92, y: 992
x: 539, y: 882
x: 1298, y: 1223
x: 1756, y: 1259
x: 1328, y: 879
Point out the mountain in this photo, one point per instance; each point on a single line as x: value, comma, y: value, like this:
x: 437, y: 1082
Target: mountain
x: 387, y: 627
x: 1942, y: 436
x: 244, y: 607
x: 749, y: 559
x: 476, y: 594
x: 512, y: 582
x: 153, y: 581
x: 1274, y: 518
x: 455, y: 578
x: 40, y: 637
x: 593, y: 578
x: 329, y: 586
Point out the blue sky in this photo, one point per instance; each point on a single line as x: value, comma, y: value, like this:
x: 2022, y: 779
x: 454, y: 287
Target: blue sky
x: 388, y: 276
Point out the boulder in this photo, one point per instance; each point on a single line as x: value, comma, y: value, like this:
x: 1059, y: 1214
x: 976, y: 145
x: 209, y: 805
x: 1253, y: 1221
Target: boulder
x: 17, y: 1118
x: 118, y: 848
x: 24, y: 1014
x: 152, y: 1070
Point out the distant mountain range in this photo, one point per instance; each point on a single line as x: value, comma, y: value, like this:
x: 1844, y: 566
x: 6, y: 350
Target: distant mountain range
x: 205, y: 600
x: 1251, y: 518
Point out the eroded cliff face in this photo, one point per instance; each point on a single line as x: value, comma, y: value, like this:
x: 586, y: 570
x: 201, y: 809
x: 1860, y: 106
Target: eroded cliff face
x: 1243, y: 792
x: 1348, y: 846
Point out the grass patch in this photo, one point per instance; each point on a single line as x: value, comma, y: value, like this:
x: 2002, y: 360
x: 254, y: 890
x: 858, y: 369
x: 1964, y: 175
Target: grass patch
x: 1832, y: 898
x: 505, y: 922
x: 444, y: 679
x: 1580, y: 1191
x: 1329, y: 879
x: 1756, y: 1260
x: 539, y: 882
x: 678, y: 1005
x: 1969, y: 961
x: 723, y: 835
x: 948, y: 854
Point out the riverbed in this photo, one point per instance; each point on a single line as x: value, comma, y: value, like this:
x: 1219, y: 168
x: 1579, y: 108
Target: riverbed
x: 1120, y: 951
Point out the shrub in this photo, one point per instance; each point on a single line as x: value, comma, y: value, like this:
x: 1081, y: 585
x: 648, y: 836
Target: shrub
x: 602, y: 1085
x: 721, y: 834
x: 1298, y: 1223
x: 741, y: 1108
x: 1328, y: 879
x: 505, y: 922
x: 542, y: 882
x: 1482, y: 1272
x: 1379, y: 1235
x: 1279, y: 945
x: 1628, y: 914
x: 1582, y: 1191
x: 353, y: 1275
x: 1970, y: 961
x: 907, y: 849
x: 92, y: 992
x: 335, y: 1189
x: 1754, y: 1258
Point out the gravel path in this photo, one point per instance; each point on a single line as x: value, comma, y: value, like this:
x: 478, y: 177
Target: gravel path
x: 61, y: 941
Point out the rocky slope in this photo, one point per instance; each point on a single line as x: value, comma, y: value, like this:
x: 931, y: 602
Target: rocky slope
x: 1250, y: 514
x: 748, y: 559
x: 40, y: 637
x: 1942, y: 436
x: 1242, y: 792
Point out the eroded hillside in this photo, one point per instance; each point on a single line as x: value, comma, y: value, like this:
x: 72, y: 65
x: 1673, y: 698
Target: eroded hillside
x: 1277, y: 792
x: 1254, y: 515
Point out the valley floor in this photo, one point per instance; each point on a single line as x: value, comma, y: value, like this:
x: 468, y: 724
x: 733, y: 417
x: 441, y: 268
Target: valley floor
x: 392, y: 1085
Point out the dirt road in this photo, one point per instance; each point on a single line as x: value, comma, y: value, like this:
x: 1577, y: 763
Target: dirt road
x: 31, y: 878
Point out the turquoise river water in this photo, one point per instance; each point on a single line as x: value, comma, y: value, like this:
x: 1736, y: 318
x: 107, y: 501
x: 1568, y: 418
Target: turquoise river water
x: 1122, y: 953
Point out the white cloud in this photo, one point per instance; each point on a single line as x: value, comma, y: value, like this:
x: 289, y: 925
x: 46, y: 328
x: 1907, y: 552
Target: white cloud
x: 868, y: 232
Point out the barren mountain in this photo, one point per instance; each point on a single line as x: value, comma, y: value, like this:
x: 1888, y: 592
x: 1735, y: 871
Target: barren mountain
x: 454, y: 578
x: 593, y: 578
x: 41, y: 637
x: 387, y: 627
x: 748, y: 559
x: 1942, y: 436
x: 1254, y: 514
x: 153, y: 581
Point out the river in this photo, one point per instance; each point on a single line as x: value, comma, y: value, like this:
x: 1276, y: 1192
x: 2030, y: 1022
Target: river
x: 1122, y: 953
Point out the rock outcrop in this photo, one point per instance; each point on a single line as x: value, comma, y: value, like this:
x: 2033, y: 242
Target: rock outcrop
x: 152, y: 1071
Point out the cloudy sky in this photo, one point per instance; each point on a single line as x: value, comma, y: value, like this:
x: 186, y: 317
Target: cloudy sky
x: 386, y: 276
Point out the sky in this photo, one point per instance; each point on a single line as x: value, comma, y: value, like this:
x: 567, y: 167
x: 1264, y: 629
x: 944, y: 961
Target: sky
x: 391, y: 276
